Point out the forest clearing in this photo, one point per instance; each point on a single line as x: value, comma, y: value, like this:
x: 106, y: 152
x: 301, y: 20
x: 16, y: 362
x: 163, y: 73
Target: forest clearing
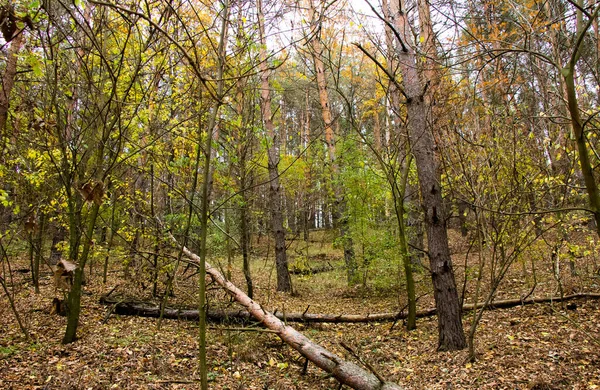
x: 298, y: 194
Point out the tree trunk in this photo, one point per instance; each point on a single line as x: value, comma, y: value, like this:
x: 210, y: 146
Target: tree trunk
x: 582, y: 148
x: 113, y: 229
x: 283, y: 277
x: 339, y: 213
x: 399, y: 192
x: 145, y: 309
x: 451, y: 334
x: 74, y: 299
x: 245, y: 243
x: 39, y: 244
x: 8, y: 79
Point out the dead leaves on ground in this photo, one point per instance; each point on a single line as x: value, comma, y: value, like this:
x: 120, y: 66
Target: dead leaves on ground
x: 531, y: 347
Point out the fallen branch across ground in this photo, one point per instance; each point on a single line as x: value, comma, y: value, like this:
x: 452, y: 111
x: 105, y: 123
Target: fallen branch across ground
x: 144, y: 309
x: 311, y: 271
x: 345, y: 372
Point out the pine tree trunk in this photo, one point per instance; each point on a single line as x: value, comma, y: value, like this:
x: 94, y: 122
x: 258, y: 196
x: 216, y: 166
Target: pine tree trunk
x: 451, y: 334
x: 339, y: 213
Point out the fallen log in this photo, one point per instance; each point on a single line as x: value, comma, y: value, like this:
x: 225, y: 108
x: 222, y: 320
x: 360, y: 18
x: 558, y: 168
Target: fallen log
x: 345, y: 372
x: 311, y: 271
x: 144, y: 309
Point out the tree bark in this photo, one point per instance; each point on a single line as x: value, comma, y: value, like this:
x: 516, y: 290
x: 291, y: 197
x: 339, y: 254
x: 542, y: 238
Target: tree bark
x: 450, y: 329
x: 283, y: 276
x: 8, y: 79
x: 400, y: 188
x: 340, y: 219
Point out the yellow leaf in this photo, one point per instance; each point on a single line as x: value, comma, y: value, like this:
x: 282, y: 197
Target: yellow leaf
x: 272, y: 362
x: 468, y: 365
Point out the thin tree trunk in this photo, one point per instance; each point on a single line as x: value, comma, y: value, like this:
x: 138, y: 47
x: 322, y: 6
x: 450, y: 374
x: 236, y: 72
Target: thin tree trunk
x: 39, y: 244
x: 340, y: 219
x: 245, y: 243
x: 582, y: 148
x: 283, y: 277
x: 400, y: 196
x: 206, y: 189
x: 74, y: 299
x: 113, y: 228
x: 157, y: 234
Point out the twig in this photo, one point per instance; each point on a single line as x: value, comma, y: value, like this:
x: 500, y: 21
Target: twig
x: 243, y: 329
x: 576, y: 325
x: 110, y: 311
x: 363, y: 362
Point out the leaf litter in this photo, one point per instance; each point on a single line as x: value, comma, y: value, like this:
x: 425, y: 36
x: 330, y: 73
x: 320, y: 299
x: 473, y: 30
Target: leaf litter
x: 543, y: 346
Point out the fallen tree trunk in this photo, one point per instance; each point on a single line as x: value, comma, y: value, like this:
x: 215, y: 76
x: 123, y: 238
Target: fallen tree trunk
x: 150, y: 310
x: 311, y: 271
x: 345, y: 372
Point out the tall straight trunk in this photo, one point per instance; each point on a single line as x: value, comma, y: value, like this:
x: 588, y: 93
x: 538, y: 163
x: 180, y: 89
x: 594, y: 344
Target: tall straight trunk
x: 113, y: 228
x: 398, y: 192
x: 245, y: 242
x: 206, y: 189
x: 450, y: 329
x: 39, y: 244
x: 401, y: 199
x: 228, y: 245
x: 243, y: 140
x: 8, y: 79
x: 304, y: 142
x: 340, y: 219
x: 281, y: 263
x: 157, y: 234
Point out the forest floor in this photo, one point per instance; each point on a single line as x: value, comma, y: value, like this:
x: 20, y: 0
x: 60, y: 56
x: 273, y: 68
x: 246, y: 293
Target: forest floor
x: 542, y: 346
